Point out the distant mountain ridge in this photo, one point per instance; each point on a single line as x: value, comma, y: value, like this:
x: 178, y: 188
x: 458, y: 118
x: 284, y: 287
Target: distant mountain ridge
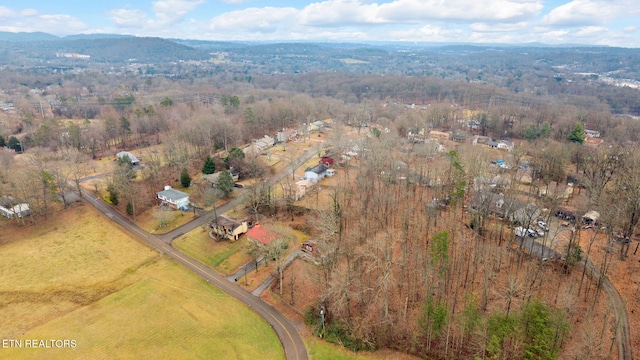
x: 27, y: 36
x: 41, y: 36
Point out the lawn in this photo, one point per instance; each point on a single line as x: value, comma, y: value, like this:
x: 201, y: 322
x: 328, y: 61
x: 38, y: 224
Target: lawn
x: 322, y: 350
x: 78, y: 276
x: 170, y: 314
x: 222, y: 255
x: 153, y: 219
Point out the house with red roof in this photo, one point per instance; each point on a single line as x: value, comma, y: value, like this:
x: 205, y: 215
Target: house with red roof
x: 261, y: 236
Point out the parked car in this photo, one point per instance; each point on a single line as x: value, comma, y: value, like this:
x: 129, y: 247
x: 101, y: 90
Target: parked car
x: 543, y: 225
x: 522, y: 232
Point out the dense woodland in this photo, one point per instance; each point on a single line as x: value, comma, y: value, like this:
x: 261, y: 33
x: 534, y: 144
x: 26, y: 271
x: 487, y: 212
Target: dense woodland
x: 398, y: 269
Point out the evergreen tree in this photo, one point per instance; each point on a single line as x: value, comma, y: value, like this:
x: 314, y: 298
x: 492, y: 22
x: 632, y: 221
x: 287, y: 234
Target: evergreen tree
x: 577, y: 134
x: 209, y: 166
x: 225, y: 183
x: 234, y: 153
x: 14, y: 143
x: 113, y: 193
x: 185, y: 179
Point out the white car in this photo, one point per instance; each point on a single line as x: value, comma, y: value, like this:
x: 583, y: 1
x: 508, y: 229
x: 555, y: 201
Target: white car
x: 522, y: 232
x: 543, y: 225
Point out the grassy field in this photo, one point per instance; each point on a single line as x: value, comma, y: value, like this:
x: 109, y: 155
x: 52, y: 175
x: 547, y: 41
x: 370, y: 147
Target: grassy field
x: 80, y: 277
x: 322, y: 350
x: 152, y: 219
x: 223, y: 255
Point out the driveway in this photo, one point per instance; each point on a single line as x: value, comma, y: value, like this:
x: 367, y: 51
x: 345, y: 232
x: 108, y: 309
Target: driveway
x: 622, y: 319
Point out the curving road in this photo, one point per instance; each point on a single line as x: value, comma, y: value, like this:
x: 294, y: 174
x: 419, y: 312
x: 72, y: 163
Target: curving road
x: 292, y: 343
x: 622, y: 319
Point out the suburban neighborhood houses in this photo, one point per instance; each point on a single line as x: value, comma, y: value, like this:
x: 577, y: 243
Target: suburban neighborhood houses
x: 215, y: 211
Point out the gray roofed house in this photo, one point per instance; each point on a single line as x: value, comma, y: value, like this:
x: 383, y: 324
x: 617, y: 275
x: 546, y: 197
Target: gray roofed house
x: 134, y: 159
x: 316, y: 173
x: 174, y: 198
x: 504, y: 207
x: 12, y: 208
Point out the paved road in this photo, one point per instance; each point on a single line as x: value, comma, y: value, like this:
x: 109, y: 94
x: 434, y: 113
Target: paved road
x: 622, y: 319
x: 291, y: 341
x: 207, y: 216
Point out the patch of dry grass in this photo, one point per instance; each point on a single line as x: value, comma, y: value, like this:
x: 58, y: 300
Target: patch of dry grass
x: 69, y: 261
x: 222, y: 255
x: 78, y: 276
x: 152, y: 219
x: 170, y: 314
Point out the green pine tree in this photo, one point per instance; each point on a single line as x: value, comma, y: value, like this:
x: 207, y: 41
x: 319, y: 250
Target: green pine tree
x: 209, y: 166
x: 225, y: 183
x: 577, y: 134
x: 185, y: 179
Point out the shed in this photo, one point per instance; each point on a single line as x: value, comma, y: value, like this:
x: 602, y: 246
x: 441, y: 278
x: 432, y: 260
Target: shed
x: 16, y: 211
x: 125, y: 154
x: 591, y: 217
x: 261, y: 236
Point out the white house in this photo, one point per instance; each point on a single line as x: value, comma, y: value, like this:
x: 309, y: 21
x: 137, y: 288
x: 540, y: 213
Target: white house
x: 17, y: 211
x: 264, y: 143
x: 174, y: 198
x: 315, y: 173
x: 134, y: 159
x: 259, y: 145
x: 286, y: 135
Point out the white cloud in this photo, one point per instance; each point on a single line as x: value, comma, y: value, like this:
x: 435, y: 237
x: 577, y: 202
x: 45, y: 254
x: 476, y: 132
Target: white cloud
x: 340, y: 12
x: 591, y: 12
x: 169, y: 12
x: 461, y: 10
x: 266, y: 19
x: 128, y: 18
x: 29, y: 20
x: 336, y: 12
x: 5, y: 12
x: 498, y: 27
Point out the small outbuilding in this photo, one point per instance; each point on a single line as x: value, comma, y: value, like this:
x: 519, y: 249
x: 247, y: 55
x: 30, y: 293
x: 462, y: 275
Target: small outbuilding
x: 16, y: 211
x: 125, y: 154
x: 261, y: 236
x: 591, y: 218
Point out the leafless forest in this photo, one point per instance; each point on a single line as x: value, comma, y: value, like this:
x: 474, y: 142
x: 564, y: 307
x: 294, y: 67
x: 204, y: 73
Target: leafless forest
x: 407, y: 263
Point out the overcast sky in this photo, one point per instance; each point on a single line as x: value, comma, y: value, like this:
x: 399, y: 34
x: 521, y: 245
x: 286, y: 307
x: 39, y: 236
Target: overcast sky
x: 595, y: 22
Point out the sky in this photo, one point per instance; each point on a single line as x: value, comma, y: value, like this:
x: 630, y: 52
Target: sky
x: 589, y: 22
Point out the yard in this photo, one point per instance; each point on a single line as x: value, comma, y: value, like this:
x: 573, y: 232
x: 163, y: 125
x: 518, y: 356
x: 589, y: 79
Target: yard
x: 222, y: 255
x: 80, y: 277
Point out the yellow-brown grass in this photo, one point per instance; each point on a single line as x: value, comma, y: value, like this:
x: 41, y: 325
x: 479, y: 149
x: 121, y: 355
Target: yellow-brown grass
x: 79, y: 276
x: 222, y: 255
